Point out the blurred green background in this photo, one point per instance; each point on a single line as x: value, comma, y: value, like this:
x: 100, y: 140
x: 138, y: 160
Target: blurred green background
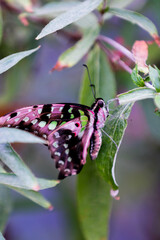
x: 137, y: 214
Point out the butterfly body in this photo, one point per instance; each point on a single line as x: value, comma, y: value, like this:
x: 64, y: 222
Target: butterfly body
x: 69, y: 130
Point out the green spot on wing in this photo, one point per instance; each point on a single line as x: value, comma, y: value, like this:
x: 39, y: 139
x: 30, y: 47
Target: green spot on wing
x: 52, y: 125
x: 84, y: 120
x: 72, y: 116
x: 63, y: 123
x: 81, y: 112
x: 70, y: 110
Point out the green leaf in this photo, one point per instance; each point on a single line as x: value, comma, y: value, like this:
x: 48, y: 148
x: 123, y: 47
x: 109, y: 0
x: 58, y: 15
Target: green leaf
x: 32, y: 195
x: 73, y: 15
x: 115, y: 126
x: 1, y: 236
x: 137, y: 79
x: 90, y: 32
x: 119, y: 3
x: 136, y: 94
x: 1, y: 25
x: 12, y: 135
x: 35, y: 197
x: 94, y: 201
x: 135, y: 18
x: 11, y: 60
x: 157, y: 100
x: 53, y: 8
x: 5, y: 207
x: 15, y: 163
x: 101, y: 76
x: 154, y: 75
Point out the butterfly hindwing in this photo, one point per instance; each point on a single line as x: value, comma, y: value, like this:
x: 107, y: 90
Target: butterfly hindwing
x: 68, y: 146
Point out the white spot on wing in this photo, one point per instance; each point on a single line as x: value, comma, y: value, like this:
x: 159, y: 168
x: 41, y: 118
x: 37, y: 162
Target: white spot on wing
x: 34, y: 121
x: 55, y: 144
x: 60, y: 109
x: 67, y: 151
x: 65, y: 145
x: 52, y: 108
x: 69, y: 159
x: 26, y: 119
x: 17, y: 119
x: 61, y: 162
x: 57, y: 154
x: 39, y: 110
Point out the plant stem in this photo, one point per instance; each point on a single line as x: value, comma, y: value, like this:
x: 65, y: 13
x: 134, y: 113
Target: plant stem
x: 118, y: 46
x: 114, y: 58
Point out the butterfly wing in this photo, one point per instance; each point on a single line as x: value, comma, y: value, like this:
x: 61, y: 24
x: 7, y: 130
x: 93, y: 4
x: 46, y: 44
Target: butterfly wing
x: 68, y: 129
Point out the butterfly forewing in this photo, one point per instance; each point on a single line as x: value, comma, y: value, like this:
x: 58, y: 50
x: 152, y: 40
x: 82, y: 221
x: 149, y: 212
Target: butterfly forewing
x: 68, y: 129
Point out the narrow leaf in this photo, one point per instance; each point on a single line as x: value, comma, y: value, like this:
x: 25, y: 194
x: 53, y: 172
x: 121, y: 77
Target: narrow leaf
x: 135, y: 95
x: 93, y: 192
x: 119, y: 3
x: 53, y: 8
x: 11, y: 60
x: 15, y: 163
x: 115, y: 127
x: 154, y: 75
x: 11, y: 135
x: 35, y: 197
x: 72, y: 55
x: 32, y: 195
x: 73, y: 15
x: 135, y: 18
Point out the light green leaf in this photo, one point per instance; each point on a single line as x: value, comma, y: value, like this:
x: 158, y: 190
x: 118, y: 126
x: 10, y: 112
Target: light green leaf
x: 11, y: 60
x: 10, y: 158
x: 12, y: 135
x: 12, y: 180
x: 32, y: 195
x: 135, y: 18
x: 157, y: 100
x: 154, y: 75
x: 53, y: 8
x: 119, y: 3
x: 90, y: 32
x: 115, y: 127
x: 1, y: 25
x: 137, y: 79
x: 94, y: 201
x: 35, y: 197
x: 136, y: 94
x: 1, y: 236
x: 73, y: 15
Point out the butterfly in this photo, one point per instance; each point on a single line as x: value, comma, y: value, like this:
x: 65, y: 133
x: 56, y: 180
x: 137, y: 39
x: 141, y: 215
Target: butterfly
x: 69, y: 129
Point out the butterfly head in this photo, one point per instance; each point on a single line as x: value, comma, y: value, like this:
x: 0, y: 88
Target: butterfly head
x: 101, y: 112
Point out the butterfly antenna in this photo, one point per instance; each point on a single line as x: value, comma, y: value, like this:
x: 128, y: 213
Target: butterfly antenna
x: 91, y: 85
x: 110, y: 138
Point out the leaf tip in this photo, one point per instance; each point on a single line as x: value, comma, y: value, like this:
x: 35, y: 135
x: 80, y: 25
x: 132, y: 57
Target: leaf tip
x: 59, y: 66
x: 36, y: 187
x: 114, y: 194
x: 50, y: 208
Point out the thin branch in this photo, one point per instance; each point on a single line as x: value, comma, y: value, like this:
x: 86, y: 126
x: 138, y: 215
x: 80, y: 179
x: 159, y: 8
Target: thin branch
x: 115, y: 59
x: 118, y: 46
